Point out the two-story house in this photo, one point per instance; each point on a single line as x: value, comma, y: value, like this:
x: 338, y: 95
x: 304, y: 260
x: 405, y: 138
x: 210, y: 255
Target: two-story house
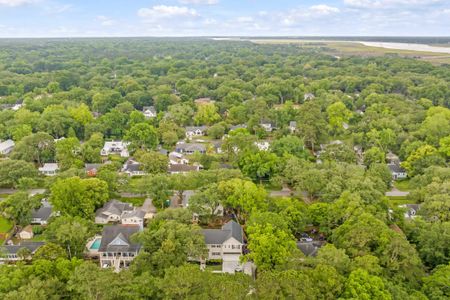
x: 119, y: 212
x: 226, y: 244
x: 116, y: 248
x: 192, y: 131
x: 115, y: 147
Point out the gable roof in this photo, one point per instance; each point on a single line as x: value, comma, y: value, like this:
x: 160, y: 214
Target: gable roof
x: 218, y: 236
x: 113, y: 207
x: 152, y: 109
x: 396, y: 168
x: 309, y: 248
x: 13, y: 249
x: 194, y: 128
x: 6, y: 145
x: 138, y: 213
x: 91, y: 167
x: 118, y: 238
x: 43, y: 213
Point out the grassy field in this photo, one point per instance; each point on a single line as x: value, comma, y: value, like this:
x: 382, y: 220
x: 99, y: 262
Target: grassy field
x: 5, y: 225
x: 342, y: 49
x: 403, y: 185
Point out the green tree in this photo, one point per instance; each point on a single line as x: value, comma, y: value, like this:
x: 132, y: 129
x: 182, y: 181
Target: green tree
x: 142, y: 136
x: 71, y: 233
x: 361, y: 285
x: 38, y: 148
x: 78, y: 197
x: 338, y: 114
x: 436, y: 285
x: 68, y: 153
x: 206, y: 114
x: 259, y: 165
x: 153, y: 162
x: 12, y: 171
x: 19, y: 207
x: 166, y: 244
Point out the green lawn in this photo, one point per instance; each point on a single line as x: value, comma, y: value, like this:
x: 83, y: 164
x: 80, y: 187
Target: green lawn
x: 396, y: 201
x: 136, y: 201
x: 403, y: 185
x: 5, y: 225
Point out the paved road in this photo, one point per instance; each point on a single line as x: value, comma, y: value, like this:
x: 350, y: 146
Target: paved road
x: 396, y: 193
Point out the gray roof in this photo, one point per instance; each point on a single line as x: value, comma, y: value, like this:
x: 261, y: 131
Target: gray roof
x: 117, y: 238
x: 43, y: 213
x: 90, y: 167
x: 191, y: 147
x: 234, y: 127
x: 139, y: 213
x: 182, y: 168
x: 219, y: 236
x: 150, y: 108
x: 193, y: 128
x: 310, y: 248
x: 396, y: 168
x: 13, y: 249
x: 114, y: 207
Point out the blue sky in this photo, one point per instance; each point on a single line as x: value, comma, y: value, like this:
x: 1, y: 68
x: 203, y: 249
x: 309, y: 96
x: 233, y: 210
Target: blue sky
x: 62, y: 18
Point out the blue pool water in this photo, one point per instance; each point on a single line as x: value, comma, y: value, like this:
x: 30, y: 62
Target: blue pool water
x: 96, y: 244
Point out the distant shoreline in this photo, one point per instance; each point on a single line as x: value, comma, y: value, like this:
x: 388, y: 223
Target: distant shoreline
x: 408, y: 46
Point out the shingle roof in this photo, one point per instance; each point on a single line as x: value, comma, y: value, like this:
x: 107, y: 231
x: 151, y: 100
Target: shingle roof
x: 13, y: 249
x: 136, y: 213
x: 43, y: 213
x: 117, y: 238
x: 219, y: 236
x: 114, y: 207
x: 396, y: 168
x: 182, y: 168
x: 90, y: 167
x: 309, y: 248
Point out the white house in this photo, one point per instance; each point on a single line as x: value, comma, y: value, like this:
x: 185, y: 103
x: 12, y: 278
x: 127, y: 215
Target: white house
x: 149, y: 112
x: 49, y: 169
x: 6, y: 147
x: 292, y: 126
x: 176, y: 158
x: 116, y: 248
x: 133, y: 168
x: 267, y: 126
x: 192, y: 131
x: 411, y: 210
x: 135, y: 217
x: 11, y: 252
x: 397, y: 171
x: 115, y: 147
x: 263, y: 145
x: 226, y: 244
x: 112, y: 211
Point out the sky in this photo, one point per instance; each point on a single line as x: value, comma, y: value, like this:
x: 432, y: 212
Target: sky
x: 113, y: 18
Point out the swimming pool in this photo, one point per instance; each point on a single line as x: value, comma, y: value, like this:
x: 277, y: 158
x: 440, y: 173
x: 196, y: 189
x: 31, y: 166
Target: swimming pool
x: 96, y: 244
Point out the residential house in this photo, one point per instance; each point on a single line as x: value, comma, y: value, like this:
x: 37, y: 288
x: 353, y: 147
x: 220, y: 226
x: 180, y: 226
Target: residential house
x: 92, y: 169
x: 177, y: 158
x: 239, y: 126
x: 115, y: 147
x: 181, y: 168
x: 133, y: 168
x: 6, y: 147
x: 411, y: 210
x: 309, y: 96
x: 11, y: 253
x: 310, y: 248
x: 267, y: 126
x: 392, y: 158
x: 41, y: 215
x: 149, y: 112
x: 190, y: 148
x: 397, y: 171
x: 192, y: 131
x: 117, y: 250
x: 262, y: 145
x: 226, y: 244
x: 112, y: 211
x: 135, y: 217
x: 49, y: 169
x: 217, y: 145
x: 26, y: 233
x: 292, y: 126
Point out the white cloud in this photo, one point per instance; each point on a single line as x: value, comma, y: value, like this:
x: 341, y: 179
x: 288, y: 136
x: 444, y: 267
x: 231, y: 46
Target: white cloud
x: 164, y: 11
x: 389, y: 3
x: 323, y: 9
x: 14, y: 3
x: 105, y: 21
x: 199, y: 2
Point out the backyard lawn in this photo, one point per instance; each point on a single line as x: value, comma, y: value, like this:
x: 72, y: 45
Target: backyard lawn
x: 5, y: 225
x: 403, y: 185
